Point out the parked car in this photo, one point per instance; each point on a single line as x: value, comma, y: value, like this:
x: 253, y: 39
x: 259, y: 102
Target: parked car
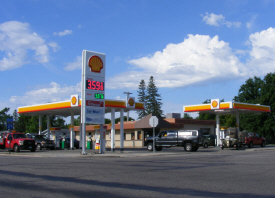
x: 16, y: 141
x: 67, y: 143
x: 42, y: 142
x: 190, y: 140
x: 209, y: 140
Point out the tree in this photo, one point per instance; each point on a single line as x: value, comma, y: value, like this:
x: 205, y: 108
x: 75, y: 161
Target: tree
x: 142, y: 98
x: 21, y: 123
x: 187, y: 116
x: 258, y: 91
x: 268, y: 98
x: 59, y: 122
x: 15, y: 116
x: 107, y: 121
x: 153, y: 99
x: 250, y: 91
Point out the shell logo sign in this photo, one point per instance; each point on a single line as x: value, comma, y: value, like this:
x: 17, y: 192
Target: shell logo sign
x: 131, y: 102
x: 96, y: 64
x: 215, y: 104
x: 74, y: 100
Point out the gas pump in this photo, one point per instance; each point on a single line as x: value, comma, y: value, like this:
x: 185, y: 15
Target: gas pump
x: 97, y: 138
x: 55, y: 133
x: 100, y: 139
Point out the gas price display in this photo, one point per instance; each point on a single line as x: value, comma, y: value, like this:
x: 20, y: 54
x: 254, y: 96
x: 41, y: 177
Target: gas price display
x: 99, y: 96
x: 95, y: 85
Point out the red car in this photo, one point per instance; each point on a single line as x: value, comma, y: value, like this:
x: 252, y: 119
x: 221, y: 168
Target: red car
x: 254, y: 139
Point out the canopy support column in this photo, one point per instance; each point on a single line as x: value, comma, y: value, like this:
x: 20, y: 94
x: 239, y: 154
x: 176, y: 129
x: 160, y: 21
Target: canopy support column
x: 40, y: 125
x: 83, y: 131
x: 113, y: 129
x: 80, y: 135
x: 71, y: 132
x: 48, y: 126
x: 238, y: 121
x: 102, y: 141
x: 121, y: 130
x: 218, y: 129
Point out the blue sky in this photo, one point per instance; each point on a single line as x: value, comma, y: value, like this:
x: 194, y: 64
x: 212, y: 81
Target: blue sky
x: 195, y: 50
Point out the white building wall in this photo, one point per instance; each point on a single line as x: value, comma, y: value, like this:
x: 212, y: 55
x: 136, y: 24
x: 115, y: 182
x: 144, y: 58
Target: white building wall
x: 197, y: 127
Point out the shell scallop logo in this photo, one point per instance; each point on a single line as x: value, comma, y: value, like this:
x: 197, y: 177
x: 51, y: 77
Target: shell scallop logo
x: 74, y: 100
x: 96, y: 64
x: 131, y: 102
x: 214, y: 104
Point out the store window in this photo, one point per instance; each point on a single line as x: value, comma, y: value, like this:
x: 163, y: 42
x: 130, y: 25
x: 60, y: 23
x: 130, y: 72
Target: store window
x: 132, y: 136
x: 124, y: 136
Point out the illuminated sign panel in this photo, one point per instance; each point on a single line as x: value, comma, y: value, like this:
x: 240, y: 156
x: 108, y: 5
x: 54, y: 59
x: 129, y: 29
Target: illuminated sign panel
x: 94, y: 85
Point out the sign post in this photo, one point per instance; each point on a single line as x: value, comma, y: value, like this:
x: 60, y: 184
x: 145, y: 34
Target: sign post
x: 153, y: 121
x: 9, y: 123
x: 92, y: 91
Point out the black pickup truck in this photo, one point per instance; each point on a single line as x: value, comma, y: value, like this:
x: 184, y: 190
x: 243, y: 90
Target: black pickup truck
x: 189, y: 139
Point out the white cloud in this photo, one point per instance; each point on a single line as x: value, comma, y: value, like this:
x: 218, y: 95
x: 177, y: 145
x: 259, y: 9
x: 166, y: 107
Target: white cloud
x: 218, y: 20
x: 262, y: 54
x: 65, y: 32
x: 17, y: 41
x: 50, y: 93
x: 250, y: 24
x: 54, y: 46
x: 75, y: 65
x: 201, y: 59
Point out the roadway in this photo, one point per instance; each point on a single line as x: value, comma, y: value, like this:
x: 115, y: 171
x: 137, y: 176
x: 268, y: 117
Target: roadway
x: 210, y: 172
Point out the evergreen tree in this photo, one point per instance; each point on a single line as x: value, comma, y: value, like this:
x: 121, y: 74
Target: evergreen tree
x: 15, y: 116
x: 142, y: 97
x: 153, y: 99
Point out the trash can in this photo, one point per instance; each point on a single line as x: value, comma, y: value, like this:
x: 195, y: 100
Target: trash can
x: 89, y: 145
x: 63, y: 144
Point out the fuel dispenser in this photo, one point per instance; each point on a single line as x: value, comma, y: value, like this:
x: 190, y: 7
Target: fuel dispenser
x: 55, y: 133
x: 100, y: 139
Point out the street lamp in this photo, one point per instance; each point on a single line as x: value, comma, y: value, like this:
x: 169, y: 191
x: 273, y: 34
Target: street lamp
x: 127, y: 97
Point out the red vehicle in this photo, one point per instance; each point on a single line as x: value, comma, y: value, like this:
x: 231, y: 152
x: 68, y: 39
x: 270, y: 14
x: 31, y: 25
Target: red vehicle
x: 254, y: 139
x: 16, y: 142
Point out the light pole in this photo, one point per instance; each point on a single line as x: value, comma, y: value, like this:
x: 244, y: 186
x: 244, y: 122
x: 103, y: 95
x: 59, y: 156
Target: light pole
x: 127, y: 98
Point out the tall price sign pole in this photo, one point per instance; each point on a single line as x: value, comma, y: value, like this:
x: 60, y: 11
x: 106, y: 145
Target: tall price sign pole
x: 92, y: 92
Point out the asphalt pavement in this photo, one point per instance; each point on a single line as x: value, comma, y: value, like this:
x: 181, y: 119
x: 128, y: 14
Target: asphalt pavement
x: 127, y: 152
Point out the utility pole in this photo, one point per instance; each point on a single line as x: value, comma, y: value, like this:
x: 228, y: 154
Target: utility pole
x: 127, y: 98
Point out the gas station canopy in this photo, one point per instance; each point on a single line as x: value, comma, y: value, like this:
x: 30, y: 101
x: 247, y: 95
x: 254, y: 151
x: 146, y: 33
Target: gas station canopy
x: 65, y: 108
x: 223, y: 108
